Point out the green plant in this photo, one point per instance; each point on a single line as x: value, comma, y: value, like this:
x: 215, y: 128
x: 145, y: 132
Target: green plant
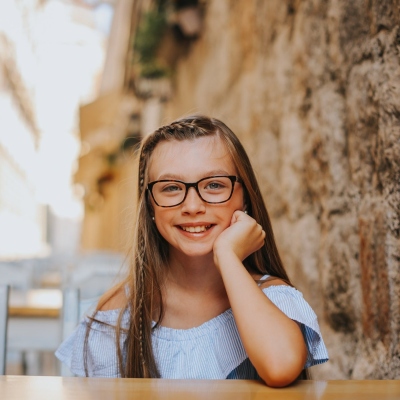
x: 147, y: 41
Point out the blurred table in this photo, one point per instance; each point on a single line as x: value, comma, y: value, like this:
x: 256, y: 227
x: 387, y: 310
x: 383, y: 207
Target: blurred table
x: 43, y: 388
x: 34, y: 324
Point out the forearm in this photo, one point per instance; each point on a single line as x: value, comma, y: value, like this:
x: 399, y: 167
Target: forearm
x: 273, y: 342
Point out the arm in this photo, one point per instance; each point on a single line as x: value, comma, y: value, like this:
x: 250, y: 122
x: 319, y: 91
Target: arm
x: 273, y: 342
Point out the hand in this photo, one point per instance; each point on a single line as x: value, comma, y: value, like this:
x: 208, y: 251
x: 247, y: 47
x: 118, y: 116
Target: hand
x: 243, y: 237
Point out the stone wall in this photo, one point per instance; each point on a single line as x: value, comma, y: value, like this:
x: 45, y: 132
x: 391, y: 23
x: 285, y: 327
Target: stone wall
x: 312, y: 88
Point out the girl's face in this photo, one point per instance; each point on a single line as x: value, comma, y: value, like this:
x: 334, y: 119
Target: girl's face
x: 190, y: 161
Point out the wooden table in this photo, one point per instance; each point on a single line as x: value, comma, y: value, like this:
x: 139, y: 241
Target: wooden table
x: 43, y: 388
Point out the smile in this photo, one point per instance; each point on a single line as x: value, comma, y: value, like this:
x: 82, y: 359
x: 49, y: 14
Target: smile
x: 196, y: 229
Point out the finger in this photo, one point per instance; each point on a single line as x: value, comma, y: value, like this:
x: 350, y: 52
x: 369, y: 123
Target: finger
x: 263, y: 234
x: 234, y: 218
x: 238, y: 215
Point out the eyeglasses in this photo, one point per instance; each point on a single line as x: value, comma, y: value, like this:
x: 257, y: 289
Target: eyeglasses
x: 213, y: 190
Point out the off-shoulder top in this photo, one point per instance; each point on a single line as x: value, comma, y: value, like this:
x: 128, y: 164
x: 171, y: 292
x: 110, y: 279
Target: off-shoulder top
x: 212, y: 350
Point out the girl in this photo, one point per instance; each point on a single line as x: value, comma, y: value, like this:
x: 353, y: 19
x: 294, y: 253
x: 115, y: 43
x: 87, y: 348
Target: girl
x: 206, y: 295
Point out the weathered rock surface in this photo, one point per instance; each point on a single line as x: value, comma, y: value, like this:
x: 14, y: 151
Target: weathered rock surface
x: 312, y: 88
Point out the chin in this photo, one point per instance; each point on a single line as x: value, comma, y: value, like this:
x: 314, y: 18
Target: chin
x: 196, y: 252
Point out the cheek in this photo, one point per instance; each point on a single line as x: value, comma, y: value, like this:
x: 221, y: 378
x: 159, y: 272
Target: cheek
x: 238, y: 200
x: 234, y: 205
x: 162, y: 218
x: 160, y: 227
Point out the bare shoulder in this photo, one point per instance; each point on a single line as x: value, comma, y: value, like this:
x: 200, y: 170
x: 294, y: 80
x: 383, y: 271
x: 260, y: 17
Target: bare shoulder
x: 273, y: 281
x: 114, y: 299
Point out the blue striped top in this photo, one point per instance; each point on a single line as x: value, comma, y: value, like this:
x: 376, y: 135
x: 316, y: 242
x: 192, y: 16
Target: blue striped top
x: 212, y: 350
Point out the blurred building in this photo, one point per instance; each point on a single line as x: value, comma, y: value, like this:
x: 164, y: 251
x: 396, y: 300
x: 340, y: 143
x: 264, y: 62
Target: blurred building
x: 105, y: 124
x: 51, y: 56
x: 23, y: 228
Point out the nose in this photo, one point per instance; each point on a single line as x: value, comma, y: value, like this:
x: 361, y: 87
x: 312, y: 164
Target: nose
x: 193, y: 204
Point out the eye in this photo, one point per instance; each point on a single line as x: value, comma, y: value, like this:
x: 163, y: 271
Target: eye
x: 170, y: 188
x: 215, y: 186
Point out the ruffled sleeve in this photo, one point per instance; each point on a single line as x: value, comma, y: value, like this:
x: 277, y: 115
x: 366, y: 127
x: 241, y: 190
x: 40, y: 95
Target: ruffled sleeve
x: 291, y: 302
x: 101, y: 351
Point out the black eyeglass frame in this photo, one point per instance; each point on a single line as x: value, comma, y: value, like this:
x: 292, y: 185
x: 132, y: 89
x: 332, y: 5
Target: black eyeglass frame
x: 232, y: 178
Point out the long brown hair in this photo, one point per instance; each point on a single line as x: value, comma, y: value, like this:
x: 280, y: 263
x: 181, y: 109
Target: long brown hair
x: 148, y: 254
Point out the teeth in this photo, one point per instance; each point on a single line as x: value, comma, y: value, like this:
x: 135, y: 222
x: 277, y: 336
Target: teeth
x: 195, y: 229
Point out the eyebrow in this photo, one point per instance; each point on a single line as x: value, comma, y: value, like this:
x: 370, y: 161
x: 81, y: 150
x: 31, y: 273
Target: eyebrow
x: 181, y: 178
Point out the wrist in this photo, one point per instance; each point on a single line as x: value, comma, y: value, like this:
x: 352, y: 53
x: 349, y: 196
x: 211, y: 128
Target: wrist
x: 224, y: 256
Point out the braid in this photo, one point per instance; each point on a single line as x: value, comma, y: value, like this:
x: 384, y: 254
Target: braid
x: 180, y: 126
x: 141, y: 278
x: 142, y: 167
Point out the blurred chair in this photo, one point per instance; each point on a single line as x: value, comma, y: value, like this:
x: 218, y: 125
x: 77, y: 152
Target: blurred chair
x: 34, y: 329
x: 44, y: 269
x: 74, y: 308
x: 95, y: 273
x: 32, y: 338
x: 16, y: 275
x: 4, y: 294
x: 51, y: 271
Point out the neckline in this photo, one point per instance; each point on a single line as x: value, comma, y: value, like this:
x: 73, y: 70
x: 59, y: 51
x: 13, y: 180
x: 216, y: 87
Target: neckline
x: 164, y: 332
